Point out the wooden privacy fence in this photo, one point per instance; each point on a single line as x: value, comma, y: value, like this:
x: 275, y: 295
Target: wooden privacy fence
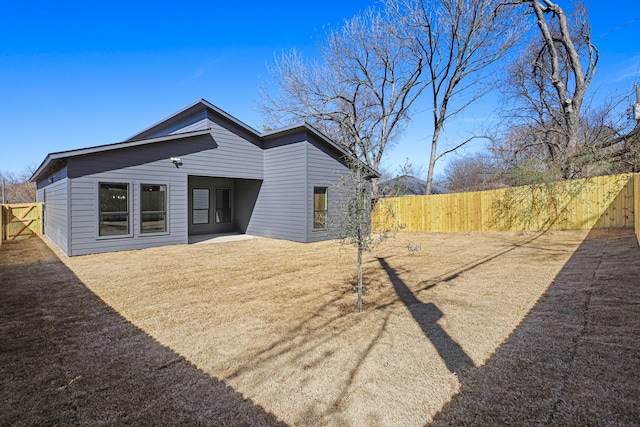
x: 600, y: 202
x: 636, y: 204
x: 21, y: 220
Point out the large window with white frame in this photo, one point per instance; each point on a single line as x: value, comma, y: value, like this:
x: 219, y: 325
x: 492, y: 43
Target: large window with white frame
x: 114, y: 209
x: 153, y: 206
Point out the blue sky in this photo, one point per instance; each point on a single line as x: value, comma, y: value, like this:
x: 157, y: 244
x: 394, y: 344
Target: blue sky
x: 78, y: 74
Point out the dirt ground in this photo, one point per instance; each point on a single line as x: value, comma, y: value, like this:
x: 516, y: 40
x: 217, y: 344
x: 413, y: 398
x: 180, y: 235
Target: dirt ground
x: 263, y: 331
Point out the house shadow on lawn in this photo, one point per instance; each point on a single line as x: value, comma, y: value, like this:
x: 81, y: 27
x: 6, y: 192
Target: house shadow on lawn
x: 575, y: 358
x: 67, y: 358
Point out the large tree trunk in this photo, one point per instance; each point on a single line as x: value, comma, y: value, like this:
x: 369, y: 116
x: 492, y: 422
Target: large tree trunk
x: 570, y: 99
x: 432, y: 163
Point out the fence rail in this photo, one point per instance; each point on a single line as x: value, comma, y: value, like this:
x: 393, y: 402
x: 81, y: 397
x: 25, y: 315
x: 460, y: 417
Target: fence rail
x: 21, y: 220
x: 600, y: 202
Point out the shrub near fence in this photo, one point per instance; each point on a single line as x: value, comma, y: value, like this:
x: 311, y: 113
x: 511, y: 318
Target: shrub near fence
x: 600, y: 202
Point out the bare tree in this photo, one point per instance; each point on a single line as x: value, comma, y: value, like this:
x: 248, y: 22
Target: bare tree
x: 459, y: 40
x: 477, y: 173
x: 531, y: 152
x: 359, y: 94
x: 549, y: 82
x: 16, y: 188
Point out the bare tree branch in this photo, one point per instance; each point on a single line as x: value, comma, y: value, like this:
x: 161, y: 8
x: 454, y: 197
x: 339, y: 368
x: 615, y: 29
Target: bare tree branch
x: 551, y: 78
x: 459, y: 40
x: 359, y: 95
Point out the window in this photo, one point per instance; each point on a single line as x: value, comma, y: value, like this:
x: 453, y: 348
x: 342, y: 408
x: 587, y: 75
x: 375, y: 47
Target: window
x: 200, y: 212
x: 319, y: 207
x: 114, y: 209
x: 223, y: 206
x: 153, y: 205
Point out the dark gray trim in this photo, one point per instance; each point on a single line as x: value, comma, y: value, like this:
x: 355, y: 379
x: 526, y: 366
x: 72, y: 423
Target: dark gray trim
x: 131, y: 209
x: 167, y: 198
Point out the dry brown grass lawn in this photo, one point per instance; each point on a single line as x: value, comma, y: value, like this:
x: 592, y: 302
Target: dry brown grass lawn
x: 274, y: 319
x: 575, y: 358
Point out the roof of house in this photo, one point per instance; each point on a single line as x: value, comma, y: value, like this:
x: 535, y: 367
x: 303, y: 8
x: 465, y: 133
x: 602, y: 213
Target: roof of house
x: 146, y: 136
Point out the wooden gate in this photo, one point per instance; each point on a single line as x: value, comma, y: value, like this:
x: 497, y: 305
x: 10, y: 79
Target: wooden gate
x: 21, y: 220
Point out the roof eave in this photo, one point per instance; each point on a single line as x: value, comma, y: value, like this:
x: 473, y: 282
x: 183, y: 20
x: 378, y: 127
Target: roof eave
x: 108, y: 147
x: 372, y: 172
x: 303, y: 126
x: 205, y: 104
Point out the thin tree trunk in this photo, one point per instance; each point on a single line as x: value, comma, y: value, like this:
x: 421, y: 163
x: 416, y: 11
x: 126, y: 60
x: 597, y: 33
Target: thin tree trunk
x: 359, y: 309
x: 432, y: 160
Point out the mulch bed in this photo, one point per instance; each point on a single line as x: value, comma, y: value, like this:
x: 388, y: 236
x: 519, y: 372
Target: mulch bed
x: 575, y: 359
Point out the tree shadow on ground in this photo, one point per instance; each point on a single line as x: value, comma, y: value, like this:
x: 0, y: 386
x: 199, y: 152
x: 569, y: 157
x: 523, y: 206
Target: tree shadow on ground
x: 453, y: 274
x: 66, y: 358
x: 575, y: 358
x: 427, y: 316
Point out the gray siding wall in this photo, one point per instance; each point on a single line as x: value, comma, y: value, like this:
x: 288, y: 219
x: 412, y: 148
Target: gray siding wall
x: 220, y: 154
x: 246, y: 195
x: 233, y: 157
x: 280, y: 210
x: 223, y: 154
x: 323, y: 170
x: 84, y: 211
x: 57, y: 175
x: 55, y: 212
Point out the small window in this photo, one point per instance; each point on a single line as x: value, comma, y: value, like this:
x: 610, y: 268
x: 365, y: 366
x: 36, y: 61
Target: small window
x: 153, y: 203
x: 319, y: 207
x: 200, y: 211
x: 223, y: 206
x: 114, y: 209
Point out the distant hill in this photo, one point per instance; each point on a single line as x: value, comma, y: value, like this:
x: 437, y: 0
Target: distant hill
x: 407, y: 185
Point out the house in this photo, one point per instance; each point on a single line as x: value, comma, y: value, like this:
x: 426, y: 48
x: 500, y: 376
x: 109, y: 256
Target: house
x: 199, y: 171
